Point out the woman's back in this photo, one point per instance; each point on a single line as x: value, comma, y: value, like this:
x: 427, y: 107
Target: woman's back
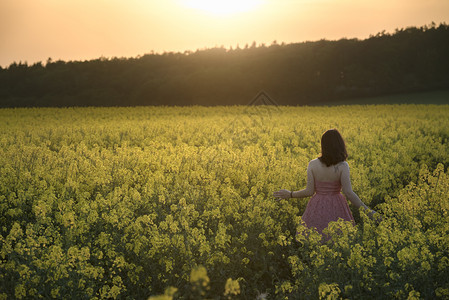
x: 323, y: 173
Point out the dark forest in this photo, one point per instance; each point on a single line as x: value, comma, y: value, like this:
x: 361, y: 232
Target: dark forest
x: 406, y: 61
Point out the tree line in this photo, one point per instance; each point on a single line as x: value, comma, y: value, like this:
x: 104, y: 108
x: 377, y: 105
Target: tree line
x: 409, y: 60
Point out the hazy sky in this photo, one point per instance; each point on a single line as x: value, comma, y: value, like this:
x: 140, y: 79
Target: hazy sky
x: 33, y: 30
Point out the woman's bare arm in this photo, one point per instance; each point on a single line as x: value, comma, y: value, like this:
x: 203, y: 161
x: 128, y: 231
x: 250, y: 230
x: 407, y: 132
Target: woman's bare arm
x: 307, y: 192
x: 310, y: 187
x: 349, y: 193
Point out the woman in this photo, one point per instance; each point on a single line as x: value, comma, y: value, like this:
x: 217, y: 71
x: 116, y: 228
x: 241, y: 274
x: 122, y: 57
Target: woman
x: 326, y: 176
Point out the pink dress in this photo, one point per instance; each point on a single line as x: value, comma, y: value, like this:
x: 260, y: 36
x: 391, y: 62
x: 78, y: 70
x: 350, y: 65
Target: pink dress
x: 326, y: 205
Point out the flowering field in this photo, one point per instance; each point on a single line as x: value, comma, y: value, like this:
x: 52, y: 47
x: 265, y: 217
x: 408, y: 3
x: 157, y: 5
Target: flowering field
x: 165, y: 202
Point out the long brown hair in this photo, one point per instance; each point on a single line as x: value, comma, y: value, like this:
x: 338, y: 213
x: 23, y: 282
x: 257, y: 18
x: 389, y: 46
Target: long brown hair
x: 333, y: 148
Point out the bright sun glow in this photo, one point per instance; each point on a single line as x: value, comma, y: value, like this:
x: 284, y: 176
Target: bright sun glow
x: 223, y: 7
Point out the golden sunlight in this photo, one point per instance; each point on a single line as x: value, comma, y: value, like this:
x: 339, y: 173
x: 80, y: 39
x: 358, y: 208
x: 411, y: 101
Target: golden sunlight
x: 223, y: 7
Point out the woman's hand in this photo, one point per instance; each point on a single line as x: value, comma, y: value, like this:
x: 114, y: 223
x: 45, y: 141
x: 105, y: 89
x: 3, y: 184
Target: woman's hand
x: 375, y: 216
x: 282, y: 194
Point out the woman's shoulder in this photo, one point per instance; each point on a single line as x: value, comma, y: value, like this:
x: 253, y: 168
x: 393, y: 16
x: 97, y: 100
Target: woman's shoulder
x: 315, y: 162
x: 344, y: 165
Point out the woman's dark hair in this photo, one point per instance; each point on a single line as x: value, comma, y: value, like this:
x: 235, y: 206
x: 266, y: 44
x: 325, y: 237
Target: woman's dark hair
x: 333, y: 149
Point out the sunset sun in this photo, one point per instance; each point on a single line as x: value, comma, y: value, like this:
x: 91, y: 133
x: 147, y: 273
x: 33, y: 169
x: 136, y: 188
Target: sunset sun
x: 223, y: 7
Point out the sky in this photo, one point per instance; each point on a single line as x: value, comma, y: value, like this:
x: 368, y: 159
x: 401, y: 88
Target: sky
x: 35, y: 30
